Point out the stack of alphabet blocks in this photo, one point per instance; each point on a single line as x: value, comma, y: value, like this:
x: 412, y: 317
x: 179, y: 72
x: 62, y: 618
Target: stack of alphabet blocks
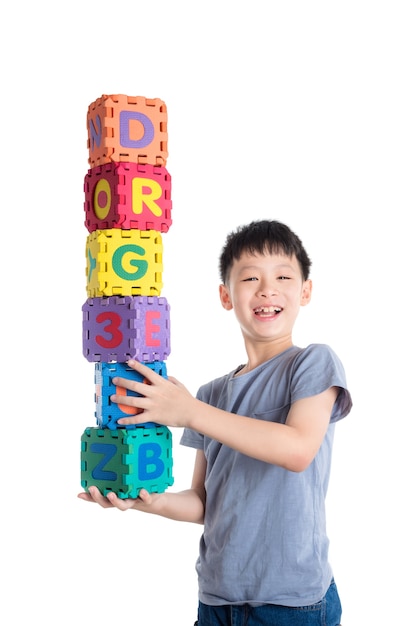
x: 127, y: 211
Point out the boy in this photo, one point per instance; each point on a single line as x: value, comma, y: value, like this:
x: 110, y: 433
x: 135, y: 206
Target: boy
x: 263, y: 435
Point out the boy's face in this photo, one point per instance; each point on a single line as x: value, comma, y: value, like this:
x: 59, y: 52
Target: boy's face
x: 266, y: 293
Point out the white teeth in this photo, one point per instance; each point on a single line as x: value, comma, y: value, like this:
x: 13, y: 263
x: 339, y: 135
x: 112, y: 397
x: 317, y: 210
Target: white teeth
x: 268, y: 309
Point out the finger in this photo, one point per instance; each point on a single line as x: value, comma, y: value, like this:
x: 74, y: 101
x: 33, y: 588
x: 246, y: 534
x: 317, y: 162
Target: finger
x: 135, y: 420
x: 99, y: 498
x: 133, y: 385
x: 85, y: 496
x: 96, y: 496
x: 119, y: 503
x: 145, y: 496
x: 176, y: 382
x: 145, y: 371
x: 134, y: 401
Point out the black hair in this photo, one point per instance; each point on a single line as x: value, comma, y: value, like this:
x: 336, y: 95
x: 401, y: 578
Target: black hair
x: 261, y: 237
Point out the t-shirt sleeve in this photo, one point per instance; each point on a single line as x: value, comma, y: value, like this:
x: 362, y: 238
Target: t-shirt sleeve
x: 316, y: 369
x: 191, y: 438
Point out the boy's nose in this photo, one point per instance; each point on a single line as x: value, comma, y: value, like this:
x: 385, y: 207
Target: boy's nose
x: 267, y: 289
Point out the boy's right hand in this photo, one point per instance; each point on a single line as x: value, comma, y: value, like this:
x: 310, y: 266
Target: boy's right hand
x: 144, y: 502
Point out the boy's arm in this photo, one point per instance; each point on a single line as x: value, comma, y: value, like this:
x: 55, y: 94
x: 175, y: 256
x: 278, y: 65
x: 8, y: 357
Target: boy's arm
x: 184, y: 506
x: 292, y: 445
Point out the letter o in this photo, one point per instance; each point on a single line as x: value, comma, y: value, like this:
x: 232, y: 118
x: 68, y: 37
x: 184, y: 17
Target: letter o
x: 102, y: 187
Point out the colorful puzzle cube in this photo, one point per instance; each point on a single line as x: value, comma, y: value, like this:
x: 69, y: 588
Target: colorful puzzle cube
x: 127, y: 128
x: 124, y: 262
x: 127, y: 195
x: 125, y: 461
x: 107, y: 412
x: 117, y: 328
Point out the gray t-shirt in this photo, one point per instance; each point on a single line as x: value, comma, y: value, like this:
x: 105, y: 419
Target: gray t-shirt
x: 264, y: 538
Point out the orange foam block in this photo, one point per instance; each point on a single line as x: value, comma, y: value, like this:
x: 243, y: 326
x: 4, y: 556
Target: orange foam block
x: 127, y: 128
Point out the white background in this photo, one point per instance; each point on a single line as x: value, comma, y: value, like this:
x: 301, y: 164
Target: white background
x: 301, y: 111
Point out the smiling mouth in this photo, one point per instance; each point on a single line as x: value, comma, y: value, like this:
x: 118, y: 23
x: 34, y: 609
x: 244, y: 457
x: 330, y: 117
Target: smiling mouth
x: 267, y: 310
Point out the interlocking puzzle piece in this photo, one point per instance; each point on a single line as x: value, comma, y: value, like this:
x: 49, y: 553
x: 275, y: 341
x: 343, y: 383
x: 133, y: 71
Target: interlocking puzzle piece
x: 125, y: 461
x: 127, y: 128
x: 127, y: 195
x: 117, y: 328
x: 124, y: 263
x: 107, y: 412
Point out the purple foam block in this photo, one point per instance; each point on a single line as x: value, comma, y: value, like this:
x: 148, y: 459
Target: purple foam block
x: 117, y: 328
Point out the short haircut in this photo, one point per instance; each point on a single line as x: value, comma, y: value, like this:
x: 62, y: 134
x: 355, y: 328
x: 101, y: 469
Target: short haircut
x: 262, y: 237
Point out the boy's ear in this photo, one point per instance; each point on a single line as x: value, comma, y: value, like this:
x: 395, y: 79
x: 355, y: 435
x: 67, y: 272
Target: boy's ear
x: 224, y: 296
x: 306, y: 295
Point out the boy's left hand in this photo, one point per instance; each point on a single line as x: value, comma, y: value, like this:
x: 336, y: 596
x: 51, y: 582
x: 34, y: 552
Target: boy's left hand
x: 162, y: 401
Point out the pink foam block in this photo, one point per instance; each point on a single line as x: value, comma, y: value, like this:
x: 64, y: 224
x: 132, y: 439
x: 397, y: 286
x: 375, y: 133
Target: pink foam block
x: 127, y: 195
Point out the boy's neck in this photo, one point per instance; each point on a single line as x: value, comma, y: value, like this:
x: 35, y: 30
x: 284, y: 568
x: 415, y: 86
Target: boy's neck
x: 260, y: 353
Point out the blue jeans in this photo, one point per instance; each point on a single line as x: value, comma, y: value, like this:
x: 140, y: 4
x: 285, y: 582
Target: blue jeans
x: 326, y: 612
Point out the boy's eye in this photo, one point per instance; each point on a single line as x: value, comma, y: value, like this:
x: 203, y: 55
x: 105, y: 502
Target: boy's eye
x: 252, y: 278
